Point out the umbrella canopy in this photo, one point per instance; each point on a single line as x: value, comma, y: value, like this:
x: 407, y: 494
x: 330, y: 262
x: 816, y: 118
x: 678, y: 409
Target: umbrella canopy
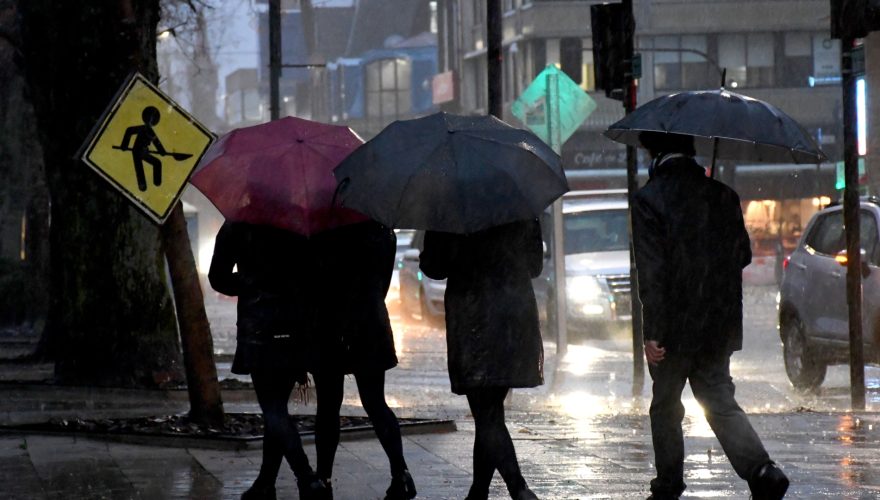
x: 451, y: 173
x: 724, y: 124
x: 279, y: 174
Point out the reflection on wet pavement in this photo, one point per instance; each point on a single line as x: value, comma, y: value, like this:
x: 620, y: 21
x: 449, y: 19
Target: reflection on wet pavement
x: 581, y: 435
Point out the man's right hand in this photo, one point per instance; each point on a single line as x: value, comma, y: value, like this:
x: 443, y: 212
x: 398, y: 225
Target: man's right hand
x: 654, y: 353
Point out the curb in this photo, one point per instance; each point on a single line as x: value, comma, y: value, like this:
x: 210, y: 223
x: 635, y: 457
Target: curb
x: 230, y: 443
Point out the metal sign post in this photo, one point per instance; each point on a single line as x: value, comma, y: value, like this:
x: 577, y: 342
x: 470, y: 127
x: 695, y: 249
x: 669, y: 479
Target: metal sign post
x: 553, y: 133
x: 553, y: 106
x: 851, y: 222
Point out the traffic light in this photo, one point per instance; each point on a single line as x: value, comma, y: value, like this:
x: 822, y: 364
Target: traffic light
x: 613, y: 29
x: 854, y: 18
x: 571, y: 58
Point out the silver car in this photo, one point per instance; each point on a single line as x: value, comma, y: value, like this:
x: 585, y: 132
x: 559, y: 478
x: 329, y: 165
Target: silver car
x: 404, y: 239
x: 597, y: 261
x: 597, y: 268
x: 420, y: 296
x: 813, y: 315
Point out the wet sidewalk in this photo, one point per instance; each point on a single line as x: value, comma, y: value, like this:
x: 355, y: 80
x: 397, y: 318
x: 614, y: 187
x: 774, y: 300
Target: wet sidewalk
x: 581, y: 435
x: 825, y: 455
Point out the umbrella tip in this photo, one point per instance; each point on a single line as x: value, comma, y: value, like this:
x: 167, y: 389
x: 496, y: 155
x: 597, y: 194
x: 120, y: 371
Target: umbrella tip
x: 299, y: 140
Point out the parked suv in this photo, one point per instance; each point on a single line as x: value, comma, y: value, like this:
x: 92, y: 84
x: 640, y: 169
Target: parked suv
x: 813, y: 314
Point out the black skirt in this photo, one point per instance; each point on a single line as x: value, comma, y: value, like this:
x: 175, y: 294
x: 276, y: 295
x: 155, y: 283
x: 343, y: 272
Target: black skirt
x: 281, y: 355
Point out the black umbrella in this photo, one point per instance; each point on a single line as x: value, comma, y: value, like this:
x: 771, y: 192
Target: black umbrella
x: 451, y: 173
x: 725, y: 125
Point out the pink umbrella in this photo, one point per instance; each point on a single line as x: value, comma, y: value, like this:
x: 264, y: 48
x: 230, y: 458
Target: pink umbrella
x: 279, y: 174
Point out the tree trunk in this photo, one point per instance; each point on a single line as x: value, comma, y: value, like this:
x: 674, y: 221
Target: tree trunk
x: 24, y: 207
x: 111, y: 318
x: 195, y: 330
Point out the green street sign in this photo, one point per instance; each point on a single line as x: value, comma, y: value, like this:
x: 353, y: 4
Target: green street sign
x: 553, y: 106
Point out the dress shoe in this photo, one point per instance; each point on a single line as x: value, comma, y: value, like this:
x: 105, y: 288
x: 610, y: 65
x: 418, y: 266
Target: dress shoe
x: 769, y: 483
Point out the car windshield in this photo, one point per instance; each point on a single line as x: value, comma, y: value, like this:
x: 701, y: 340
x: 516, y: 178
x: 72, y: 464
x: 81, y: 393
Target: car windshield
x: 596, y: 231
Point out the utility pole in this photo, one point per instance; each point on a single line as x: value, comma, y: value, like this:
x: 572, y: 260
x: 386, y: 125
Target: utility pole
x: 632, y: 185
x: 493, y: 53
x: 274, y: 58
x: 851, y: 222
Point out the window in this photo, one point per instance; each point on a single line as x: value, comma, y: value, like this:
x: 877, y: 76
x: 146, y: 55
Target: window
x: 759, y: 60
x: 696, y: 71
x: 750, y: 59
x: 667, y: 63
x: 596, y: 231
x: 869, y: 237
x: 797, y: 60
x: 388, y: 89
x: 732, y: 56
x: 680, y: 63
x: 828, y: 235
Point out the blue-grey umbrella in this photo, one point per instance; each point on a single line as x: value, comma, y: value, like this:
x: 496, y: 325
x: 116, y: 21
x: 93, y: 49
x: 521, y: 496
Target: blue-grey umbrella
x: 724, y: 124
x: 451, y: 173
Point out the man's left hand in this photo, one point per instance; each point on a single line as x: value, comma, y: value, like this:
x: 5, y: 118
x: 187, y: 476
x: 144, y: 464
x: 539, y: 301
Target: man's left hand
x: 654, y: 353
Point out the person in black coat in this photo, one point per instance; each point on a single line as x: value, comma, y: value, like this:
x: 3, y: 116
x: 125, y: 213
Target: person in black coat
x: 353, y: 336
x: 274, y: 315
x: 492, y: 335
x: 690, y: 247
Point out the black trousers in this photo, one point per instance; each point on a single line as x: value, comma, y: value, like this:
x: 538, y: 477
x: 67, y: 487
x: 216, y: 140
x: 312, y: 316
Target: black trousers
x: 709, y: 374
x: 280, y: 438
x: 371, y: 388
x: 493, y: 447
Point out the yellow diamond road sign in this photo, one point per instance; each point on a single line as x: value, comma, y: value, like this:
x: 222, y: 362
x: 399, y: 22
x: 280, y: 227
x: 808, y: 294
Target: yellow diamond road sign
x: 147, y: 146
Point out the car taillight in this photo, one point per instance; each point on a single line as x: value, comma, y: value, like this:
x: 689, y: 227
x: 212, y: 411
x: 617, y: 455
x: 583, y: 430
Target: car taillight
x: 786, y: 262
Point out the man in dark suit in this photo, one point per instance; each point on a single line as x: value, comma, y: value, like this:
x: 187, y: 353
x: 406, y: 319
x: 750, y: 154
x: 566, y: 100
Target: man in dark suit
x: 690, y: 246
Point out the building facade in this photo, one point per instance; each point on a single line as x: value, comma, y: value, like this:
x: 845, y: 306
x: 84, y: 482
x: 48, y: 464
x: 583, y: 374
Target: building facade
x: 779, y: 51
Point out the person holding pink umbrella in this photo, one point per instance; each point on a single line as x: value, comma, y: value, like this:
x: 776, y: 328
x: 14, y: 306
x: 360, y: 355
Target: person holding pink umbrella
x: 272, y: 327
x: 274, y: 184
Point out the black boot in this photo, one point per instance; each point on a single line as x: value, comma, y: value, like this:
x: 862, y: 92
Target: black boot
x: 402, y: 487
x: 768, y: 483
x: 259, y: 492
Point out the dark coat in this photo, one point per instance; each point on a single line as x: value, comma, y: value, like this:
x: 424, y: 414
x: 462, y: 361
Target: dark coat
x: 352, y: 328
x: 690, y: 246
x: 273, y: 284
x: 492, y: 333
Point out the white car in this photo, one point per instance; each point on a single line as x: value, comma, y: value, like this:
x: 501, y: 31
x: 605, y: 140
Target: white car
x: 404, y: 238
x: 597, y: 266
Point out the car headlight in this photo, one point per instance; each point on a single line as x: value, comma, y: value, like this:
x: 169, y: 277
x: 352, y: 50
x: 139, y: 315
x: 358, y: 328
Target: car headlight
x: 583, y: 289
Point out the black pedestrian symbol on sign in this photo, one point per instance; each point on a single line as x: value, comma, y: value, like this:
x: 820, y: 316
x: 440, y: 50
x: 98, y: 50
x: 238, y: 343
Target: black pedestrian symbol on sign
x: 144, y: 137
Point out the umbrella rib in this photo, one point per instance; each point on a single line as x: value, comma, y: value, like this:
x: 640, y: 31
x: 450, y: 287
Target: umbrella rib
x: 321, y: 153
x: 529, y: 149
